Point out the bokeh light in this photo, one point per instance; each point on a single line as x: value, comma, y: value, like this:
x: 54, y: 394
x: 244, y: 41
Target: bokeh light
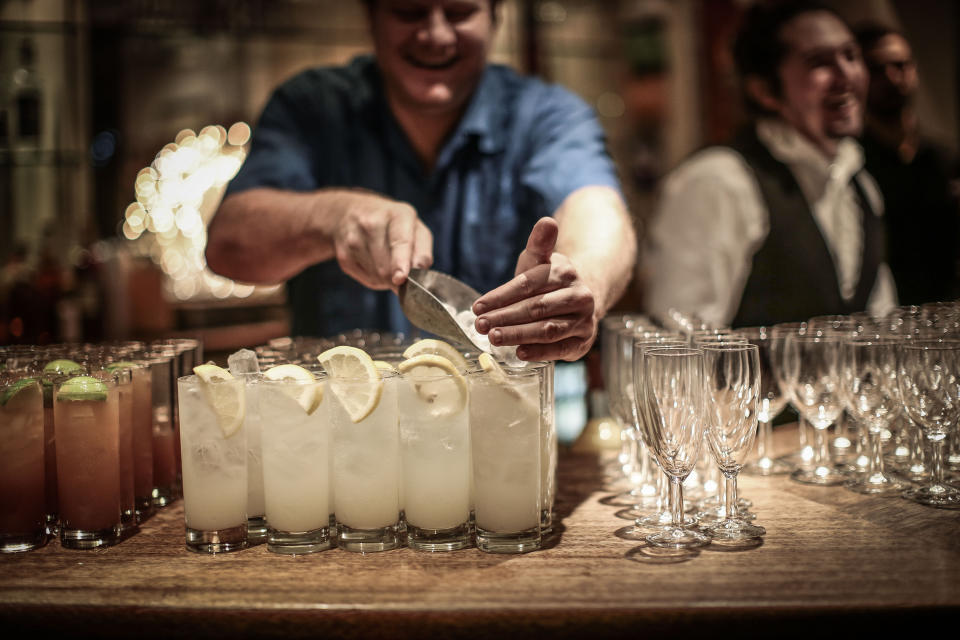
x: 176, y: 196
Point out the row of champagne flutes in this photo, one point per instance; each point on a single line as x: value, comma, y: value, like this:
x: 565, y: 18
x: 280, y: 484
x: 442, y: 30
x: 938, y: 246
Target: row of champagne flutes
x: 894, y: 377
x: 891, y: 377
x: 671, y: 392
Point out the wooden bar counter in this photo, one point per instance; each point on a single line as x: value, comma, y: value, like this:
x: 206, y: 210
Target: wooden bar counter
x: 832, y: 561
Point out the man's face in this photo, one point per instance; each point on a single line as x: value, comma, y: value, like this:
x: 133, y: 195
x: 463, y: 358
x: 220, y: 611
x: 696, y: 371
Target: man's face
x: 893, y: 74
x: 431, y: 52
x: 823, y: 79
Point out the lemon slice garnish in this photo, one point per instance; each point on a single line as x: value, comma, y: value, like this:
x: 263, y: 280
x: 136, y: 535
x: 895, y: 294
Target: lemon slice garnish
x: 346, y: 366
x: 226, y: 398
x: 497, y: 374
x: 383, y: 365
x: 437, y: 382
x: 439, y: 348
x: 307, y: 395
x: 488, y: 364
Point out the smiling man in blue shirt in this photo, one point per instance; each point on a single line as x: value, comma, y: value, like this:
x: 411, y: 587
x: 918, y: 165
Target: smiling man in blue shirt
x: 426, y: 155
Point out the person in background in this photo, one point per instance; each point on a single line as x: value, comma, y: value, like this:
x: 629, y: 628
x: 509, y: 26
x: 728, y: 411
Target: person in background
x: 426, y: 154
x: 783, y: 224
x: 914, y: 173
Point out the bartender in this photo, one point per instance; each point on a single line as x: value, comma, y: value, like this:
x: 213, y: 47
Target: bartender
x: 425, y: 155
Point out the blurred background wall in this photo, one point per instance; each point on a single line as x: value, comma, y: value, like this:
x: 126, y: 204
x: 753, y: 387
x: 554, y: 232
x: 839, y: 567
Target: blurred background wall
x: 93, y: 90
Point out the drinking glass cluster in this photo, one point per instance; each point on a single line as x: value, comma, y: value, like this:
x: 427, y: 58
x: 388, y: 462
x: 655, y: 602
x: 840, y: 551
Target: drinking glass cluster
x: 410, y: 473
x: 91, y: 439
x: 673, y: 390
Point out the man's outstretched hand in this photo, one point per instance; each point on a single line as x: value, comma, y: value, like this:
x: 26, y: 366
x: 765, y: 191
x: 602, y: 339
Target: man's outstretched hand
x: 546, y: 309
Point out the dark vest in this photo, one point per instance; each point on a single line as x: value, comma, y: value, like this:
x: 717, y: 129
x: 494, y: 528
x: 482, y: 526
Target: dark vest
x: 793, y: 277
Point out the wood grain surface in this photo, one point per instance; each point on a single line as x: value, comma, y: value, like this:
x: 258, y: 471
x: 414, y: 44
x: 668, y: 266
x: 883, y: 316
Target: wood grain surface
x: 832, y: 561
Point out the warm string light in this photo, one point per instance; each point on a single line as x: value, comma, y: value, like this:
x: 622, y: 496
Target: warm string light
x: 176, y: 196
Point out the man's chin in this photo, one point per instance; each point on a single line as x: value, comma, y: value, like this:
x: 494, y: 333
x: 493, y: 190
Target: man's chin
x: 436, y: 98
x: 844, y: 128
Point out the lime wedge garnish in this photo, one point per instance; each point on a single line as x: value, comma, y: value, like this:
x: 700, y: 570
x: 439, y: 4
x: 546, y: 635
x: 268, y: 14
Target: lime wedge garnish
x: 65, y: 367
x: 16, y: 388
x: 82, y: 388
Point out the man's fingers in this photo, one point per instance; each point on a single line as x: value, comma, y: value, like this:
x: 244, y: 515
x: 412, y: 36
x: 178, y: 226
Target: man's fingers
x: 537, y: 280
x: 401, y: 238
x: 570, y: 301
x: 540, y: 245
x: 527, y: 284
x: 422, y: 257
x: 570, y: 349
x: 556, y: 329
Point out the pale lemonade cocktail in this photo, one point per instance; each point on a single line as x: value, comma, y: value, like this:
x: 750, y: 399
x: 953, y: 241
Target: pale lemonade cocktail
x: 366, y: 449
x: 253, y: 426
x: 22, y: 497
x: 214, y: 455
x: 435, y: 453
x: 87, y: 425
x: 505, y: 418
x: 295, y: 445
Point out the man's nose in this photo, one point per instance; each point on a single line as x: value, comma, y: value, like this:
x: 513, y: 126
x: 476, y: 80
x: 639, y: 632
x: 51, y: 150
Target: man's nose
x: 849, y: 71
x: 438, y: 30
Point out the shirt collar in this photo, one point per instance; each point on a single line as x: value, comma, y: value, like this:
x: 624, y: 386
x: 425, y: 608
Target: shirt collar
x: 485, y: 115
x: 796, y: 151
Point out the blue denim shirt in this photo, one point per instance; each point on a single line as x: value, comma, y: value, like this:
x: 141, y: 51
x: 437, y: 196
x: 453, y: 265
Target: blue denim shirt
x: 521, y: 148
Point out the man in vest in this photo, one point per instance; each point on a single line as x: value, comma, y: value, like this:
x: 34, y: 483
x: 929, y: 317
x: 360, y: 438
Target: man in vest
x: 783, y: 224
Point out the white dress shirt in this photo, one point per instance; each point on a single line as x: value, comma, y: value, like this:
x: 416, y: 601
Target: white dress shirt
x: 712, y: 219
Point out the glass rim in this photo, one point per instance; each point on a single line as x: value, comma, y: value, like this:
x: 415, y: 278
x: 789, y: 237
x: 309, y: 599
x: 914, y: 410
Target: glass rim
x: 261, y: 379
x: 673, y: 351
x: 728, y: 346
x: 194, y: 378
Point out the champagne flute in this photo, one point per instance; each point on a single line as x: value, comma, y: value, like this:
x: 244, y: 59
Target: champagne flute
x: 668, y: 385
x: 780, y: 333
x: 643, y: 494
x: 812, y: 362
x: 869, y: 384
x: 841, y: 446
x: 928, y: 373
x: 610, y: 327
x: 772, y: 402
x: 732, y: 383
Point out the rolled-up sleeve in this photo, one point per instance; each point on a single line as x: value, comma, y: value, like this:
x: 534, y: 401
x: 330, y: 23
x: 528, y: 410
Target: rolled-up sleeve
x: 568, y: 148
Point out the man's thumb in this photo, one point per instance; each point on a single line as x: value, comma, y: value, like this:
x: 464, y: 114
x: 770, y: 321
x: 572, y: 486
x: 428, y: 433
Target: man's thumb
x: 540, y: 245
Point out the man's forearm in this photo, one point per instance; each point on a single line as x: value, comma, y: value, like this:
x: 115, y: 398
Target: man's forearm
x: 597, y: 235
x: 266, y: 236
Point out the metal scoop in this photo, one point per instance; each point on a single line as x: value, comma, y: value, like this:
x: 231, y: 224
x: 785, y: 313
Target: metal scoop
x: 422, y: 298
